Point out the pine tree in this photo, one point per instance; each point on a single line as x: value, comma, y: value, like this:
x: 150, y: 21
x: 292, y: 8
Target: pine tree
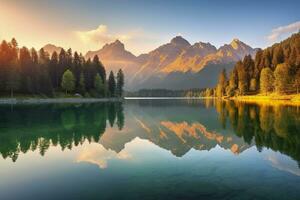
x: 99, y: 68
x: 111, y: 84
x: 222, y: 83
x: 89, y: 75
x: 233, y: 80
x: 249, y: 67
x: 278, y: 56
x: 99, y: 85
x: 258, y: 64
x: 77, y: 68
x: 44, y: 58
x: 81, y: 84
x: 242, y: 77
x: 69, y: 58
x: 26, y: 67
x: 297, y: 81
x: 13, y: 82
x: 36, y: 71
x: 45, y: 83
x: 68, y: 81
x: 62, y: 64
x: 266, y: 61
x: 54, y: 71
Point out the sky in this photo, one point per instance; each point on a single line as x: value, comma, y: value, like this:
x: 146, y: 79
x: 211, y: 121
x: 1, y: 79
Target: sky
x: 144, y: 25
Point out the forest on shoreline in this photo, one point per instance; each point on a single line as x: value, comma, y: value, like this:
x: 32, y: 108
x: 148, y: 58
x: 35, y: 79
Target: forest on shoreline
x: 273, y: 71
x: 27, y: 72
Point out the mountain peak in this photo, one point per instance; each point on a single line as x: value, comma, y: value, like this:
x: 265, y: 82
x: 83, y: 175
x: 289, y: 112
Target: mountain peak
x: 117, y: 41
x: 114, y: 51
x: 50, y: 48
x: 235, y: 40
x: 116, y: 45
x: 236, y: 43
x: 178, y: 40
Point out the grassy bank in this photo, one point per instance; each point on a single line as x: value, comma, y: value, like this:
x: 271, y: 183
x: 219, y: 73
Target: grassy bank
x: 269, y: 99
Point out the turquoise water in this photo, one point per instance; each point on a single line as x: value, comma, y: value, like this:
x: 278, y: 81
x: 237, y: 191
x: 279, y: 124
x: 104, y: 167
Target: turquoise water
x: 150, y: 149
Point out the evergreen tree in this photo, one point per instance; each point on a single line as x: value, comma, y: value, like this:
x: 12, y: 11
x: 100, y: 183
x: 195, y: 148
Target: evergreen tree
x: 44, y: 79
x: 82, y: 84
x: 297, y: 81
x: 44, y: 58
x: 99, y: 85
x: 111, y: 84
x: 266, y: 80
x: 45, y: 83
x: 32, y: 72
x: 13, y: 82
x: 69, y: 58
x: 222, y: 83
x: 266, y: 61
x: 120, y: 83
x: 99, y: 68
x: 26, y: 67
x: 233, y: 79
x: 242, y: 76
x: 278, y: 56
x: 68, y: 81
x: 249, y: 67
x: 62, y: 63
x: 54, y: 70
x: 36, y: 70
x: 77, y: 68
x: 258, y: 64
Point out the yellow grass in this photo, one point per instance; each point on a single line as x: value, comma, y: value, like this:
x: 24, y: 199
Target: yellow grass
x: 273, y: 99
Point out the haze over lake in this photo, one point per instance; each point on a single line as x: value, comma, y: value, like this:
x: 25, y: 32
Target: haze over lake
x: 150, y: 149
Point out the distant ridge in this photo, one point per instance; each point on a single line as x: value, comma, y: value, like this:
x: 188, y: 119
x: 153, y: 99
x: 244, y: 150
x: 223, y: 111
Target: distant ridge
x: 50, y: 48
x: 174, y: 65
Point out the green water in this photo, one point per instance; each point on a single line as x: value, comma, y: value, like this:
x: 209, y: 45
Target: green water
x: 150, y: 149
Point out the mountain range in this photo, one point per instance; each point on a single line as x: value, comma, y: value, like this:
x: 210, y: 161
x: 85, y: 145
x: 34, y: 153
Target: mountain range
x: 175, y: 65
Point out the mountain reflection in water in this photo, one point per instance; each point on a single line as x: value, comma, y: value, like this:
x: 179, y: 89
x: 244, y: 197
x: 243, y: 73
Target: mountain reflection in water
x: 177, y: 126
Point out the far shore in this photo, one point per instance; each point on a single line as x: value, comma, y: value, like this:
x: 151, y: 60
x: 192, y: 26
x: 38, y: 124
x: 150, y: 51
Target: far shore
x: 56, y: 100
x: 259, y: 99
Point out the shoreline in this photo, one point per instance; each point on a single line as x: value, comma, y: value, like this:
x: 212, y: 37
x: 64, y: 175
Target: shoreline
x: 293, y: 100
x: 4, y: 101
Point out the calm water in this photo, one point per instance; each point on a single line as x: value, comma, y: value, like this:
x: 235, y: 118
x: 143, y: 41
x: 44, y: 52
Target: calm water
x: 150, y: 149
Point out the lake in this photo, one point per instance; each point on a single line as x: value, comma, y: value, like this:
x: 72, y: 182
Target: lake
x: 150, y: 149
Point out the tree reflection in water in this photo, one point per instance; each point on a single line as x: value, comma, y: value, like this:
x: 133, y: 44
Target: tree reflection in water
x: 30, y: 128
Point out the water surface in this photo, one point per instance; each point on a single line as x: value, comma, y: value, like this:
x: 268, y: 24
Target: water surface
x: 150, y: 149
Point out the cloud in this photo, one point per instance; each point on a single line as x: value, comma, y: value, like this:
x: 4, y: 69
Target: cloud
x: 136, y: 40
x: 98, y: 155
x: 283, y: 30
x: 100, y: 35
x: 283, y: 163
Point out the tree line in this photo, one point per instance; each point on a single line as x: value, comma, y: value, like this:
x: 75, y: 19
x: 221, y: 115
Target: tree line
x: 275, y: 69
x: 195, y: 92
x: 30, y: 72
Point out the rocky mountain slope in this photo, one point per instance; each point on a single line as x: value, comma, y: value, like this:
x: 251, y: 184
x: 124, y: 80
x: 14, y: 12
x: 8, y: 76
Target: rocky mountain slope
x: 174, y: 65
